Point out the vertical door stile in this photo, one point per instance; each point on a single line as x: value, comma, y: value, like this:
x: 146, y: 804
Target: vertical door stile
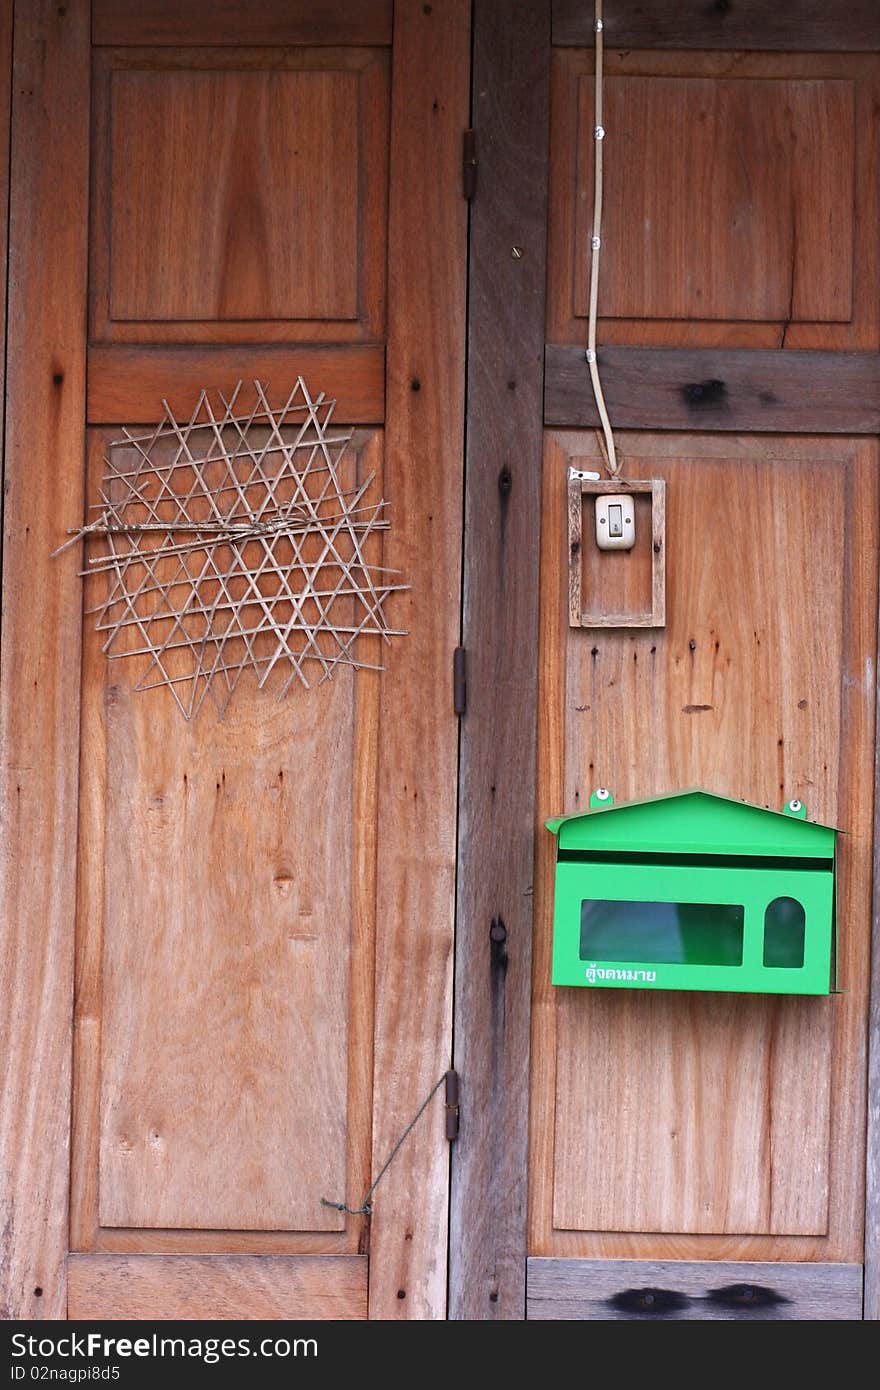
x: 872, y: 1175
x: 419, y: 735
x: 39, y: 706
x: 508, y: 240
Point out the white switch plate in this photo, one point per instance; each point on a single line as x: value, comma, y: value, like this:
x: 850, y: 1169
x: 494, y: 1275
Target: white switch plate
x: 615, y: 521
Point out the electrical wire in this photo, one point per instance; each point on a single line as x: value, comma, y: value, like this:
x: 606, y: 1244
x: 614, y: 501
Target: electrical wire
x: 611, y: 460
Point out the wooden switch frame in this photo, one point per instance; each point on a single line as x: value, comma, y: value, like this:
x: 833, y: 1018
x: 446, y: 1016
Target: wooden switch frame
x: 578, y: 488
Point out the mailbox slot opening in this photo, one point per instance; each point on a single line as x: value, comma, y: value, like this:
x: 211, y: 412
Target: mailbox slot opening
x: 662, y: 933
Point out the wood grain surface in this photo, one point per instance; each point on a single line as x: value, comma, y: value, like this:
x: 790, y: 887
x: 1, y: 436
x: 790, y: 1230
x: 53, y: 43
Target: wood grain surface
x: 127, y: 383
x: 5, y: 86
x: 226, y: 961
x: 751, y: 24
x: 39, y: 705
x: 211, y: 238
x: 679, y: 1290
x: 238, y: 22
x: 719, y: 237
x: 419, y: 736
x: 237, y: 1287
x: 704, y: 1076
x: 732, y: 390
x: 738, y: 194
x: 872, y: 1174
x: 268, y: 934
x: 86, y: 1233
x: 496, y: 795
x: 239, y: 195
x: 737, y: 703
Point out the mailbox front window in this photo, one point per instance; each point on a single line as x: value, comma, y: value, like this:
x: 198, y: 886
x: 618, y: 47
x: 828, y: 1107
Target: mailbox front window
x: 784, y: 931
x: 662, y: 933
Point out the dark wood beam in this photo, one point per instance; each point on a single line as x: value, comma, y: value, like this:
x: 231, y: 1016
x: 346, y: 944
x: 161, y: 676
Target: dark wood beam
x: 693, y: 1290
x: 500, y: 634
x: 731, y: 389
x: 798, y: 26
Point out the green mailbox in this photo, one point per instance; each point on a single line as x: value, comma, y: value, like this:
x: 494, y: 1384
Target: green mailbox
x: 693, y: 891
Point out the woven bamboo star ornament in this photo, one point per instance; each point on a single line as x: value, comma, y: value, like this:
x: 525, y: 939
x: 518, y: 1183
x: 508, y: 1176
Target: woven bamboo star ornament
x: 236, y: 542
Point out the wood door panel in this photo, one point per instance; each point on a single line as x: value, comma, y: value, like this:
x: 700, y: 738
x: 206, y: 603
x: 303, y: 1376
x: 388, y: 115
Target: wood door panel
x: 224, y: 1002
x: 241, y: 1082
x: 720, y: 183
x: 283, y: 1288
x: 719, y: 693
x: 668, y: 1103
x: 697, y: 1140
x: 737, y: 197
x: 239, y: 195
x: 223, y: 937
x: 700, y: 1115
x: 193, y: 234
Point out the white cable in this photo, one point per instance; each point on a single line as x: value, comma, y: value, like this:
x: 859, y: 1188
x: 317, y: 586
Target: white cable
x: 595, y: 247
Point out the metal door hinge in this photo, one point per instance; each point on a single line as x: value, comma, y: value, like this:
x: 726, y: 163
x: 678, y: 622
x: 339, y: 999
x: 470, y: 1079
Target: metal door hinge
x: 469, y: 164
x: 459, y: 681
x: 452, y: 1107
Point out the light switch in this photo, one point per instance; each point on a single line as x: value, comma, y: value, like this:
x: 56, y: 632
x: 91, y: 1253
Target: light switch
x: 615, y: 521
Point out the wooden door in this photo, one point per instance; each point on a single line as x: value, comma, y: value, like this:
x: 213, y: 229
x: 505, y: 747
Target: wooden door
x: 688, y: 1155
x: 228, y: 947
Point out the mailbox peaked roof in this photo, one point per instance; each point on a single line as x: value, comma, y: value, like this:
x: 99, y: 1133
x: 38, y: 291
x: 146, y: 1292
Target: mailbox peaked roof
x: 694, y: 822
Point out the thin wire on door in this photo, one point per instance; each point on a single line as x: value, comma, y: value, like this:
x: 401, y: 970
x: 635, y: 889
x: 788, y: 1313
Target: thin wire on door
x: 606, y: 439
